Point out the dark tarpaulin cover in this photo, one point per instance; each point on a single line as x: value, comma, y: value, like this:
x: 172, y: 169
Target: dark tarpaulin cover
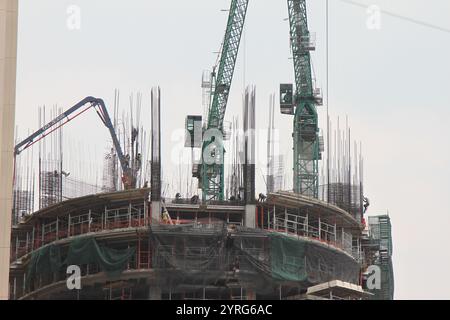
x: 47, y: 260
x: 87, y: 251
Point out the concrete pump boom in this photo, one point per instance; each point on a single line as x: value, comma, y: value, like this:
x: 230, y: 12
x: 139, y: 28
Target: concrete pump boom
x: 128, y: 178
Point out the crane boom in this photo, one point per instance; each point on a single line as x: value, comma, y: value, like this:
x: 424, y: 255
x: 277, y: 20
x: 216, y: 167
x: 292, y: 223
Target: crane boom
x: 306, y: 130
x: 88, y: 102
x: 212, y: 172
x: 228, y: 57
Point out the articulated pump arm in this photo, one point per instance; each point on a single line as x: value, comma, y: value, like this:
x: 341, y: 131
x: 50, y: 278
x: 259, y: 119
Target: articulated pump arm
x: 212, y: 175
x: 84, y: 105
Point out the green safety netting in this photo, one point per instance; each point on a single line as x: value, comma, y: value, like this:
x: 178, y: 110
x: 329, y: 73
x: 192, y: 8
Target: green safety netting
x: 188, y: 255
x: 47, y: 260
x: 88, y: 251
x: 44, y: 260
x: 288, y: 257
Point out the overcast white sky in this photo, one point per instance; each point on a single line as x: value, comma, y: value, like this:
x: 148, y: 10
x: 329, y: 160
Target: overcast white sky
x: 392, y: 83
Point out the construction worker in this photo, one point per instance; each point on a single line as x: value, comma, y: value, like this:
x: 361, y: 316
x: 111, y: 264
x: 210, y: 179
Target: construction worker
x: 236, y: 266
x: 262, y: 197
x: 366, y: 204
x: 194, y: 199
x: 134, y: 134
x: 138, y: 161
x: 166, y: 216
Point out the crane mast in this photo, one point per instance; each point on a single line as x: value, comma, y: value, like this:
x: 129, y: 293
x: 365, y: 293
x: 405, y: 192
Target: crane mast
x: 307, y: 148
x: 212, y: 167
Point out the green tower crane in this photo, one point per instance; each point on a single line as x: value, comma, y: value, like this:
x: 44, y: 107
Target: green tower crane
x: 302, y: 104
x: 212, y: 166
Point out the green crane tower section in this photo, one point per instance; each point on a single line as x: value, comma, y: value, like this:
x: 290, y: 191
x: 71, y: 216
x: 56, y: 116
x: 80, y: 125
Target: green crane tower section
x: 212, y: 167
x: 302, y: 104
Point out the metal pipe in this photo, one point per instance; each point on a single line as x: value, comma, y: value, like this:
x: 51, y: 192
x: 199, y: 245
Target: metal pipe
x: 89, y: 220
x: 32, y: 241
x: 57, y: 228
x: 320, y: 230
x: 68, y: 227
x: 285, y: 220
x: 129, y: 215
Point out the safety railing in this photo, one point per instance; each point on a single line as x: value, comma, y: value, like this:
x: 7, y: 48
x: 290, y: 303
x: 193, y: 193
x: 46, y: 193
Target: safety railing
x: 76, y: 225
x: 301, y: 226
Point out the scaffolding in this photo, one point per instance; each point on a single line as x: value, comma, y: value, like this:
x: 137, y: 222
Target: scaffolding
x: 50, y: 189
x: 74, y: 188
x: 346, y: 196
x: 23, y: 203
x: 380, y: 233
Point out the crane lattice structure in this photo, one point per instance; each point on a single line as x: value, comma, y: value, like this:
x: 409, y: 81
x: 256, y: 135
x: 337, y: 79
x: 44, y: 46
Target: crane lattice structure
x: 212, y: 167
x: 307, y: 149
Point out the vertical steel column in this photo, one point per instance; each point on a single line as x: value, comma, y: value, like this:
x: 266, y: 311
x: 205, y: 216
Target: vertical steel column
x: 335, y: 233
x: 32, y: 241
x: 17, y: 246
x: 24, y: 288
x: 89, y: 219
x: 68, y: 226
x: 129, y: 215
x: 249, y: 145
x: 156, y: 154
x: 15, y: 289
x: 156, y: 144
x: 262, y: 217
x: 250, y: 161
x: 138, y: 267
x: 358, y: 247
x: 320, y: 229
x: 145, y: 214
x: 285, y: 221
x: 274, y: 218
x: 57, y: 228
x: 307, y: 225
x: 28, y: 241
x: 104, y: 219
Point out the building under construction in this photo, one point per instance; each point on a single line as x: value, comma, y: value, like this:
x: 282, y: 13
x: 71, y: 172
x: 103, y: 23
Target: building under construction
x: 300, y: 248
x: 137, y: 244
x: 132, y: 241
